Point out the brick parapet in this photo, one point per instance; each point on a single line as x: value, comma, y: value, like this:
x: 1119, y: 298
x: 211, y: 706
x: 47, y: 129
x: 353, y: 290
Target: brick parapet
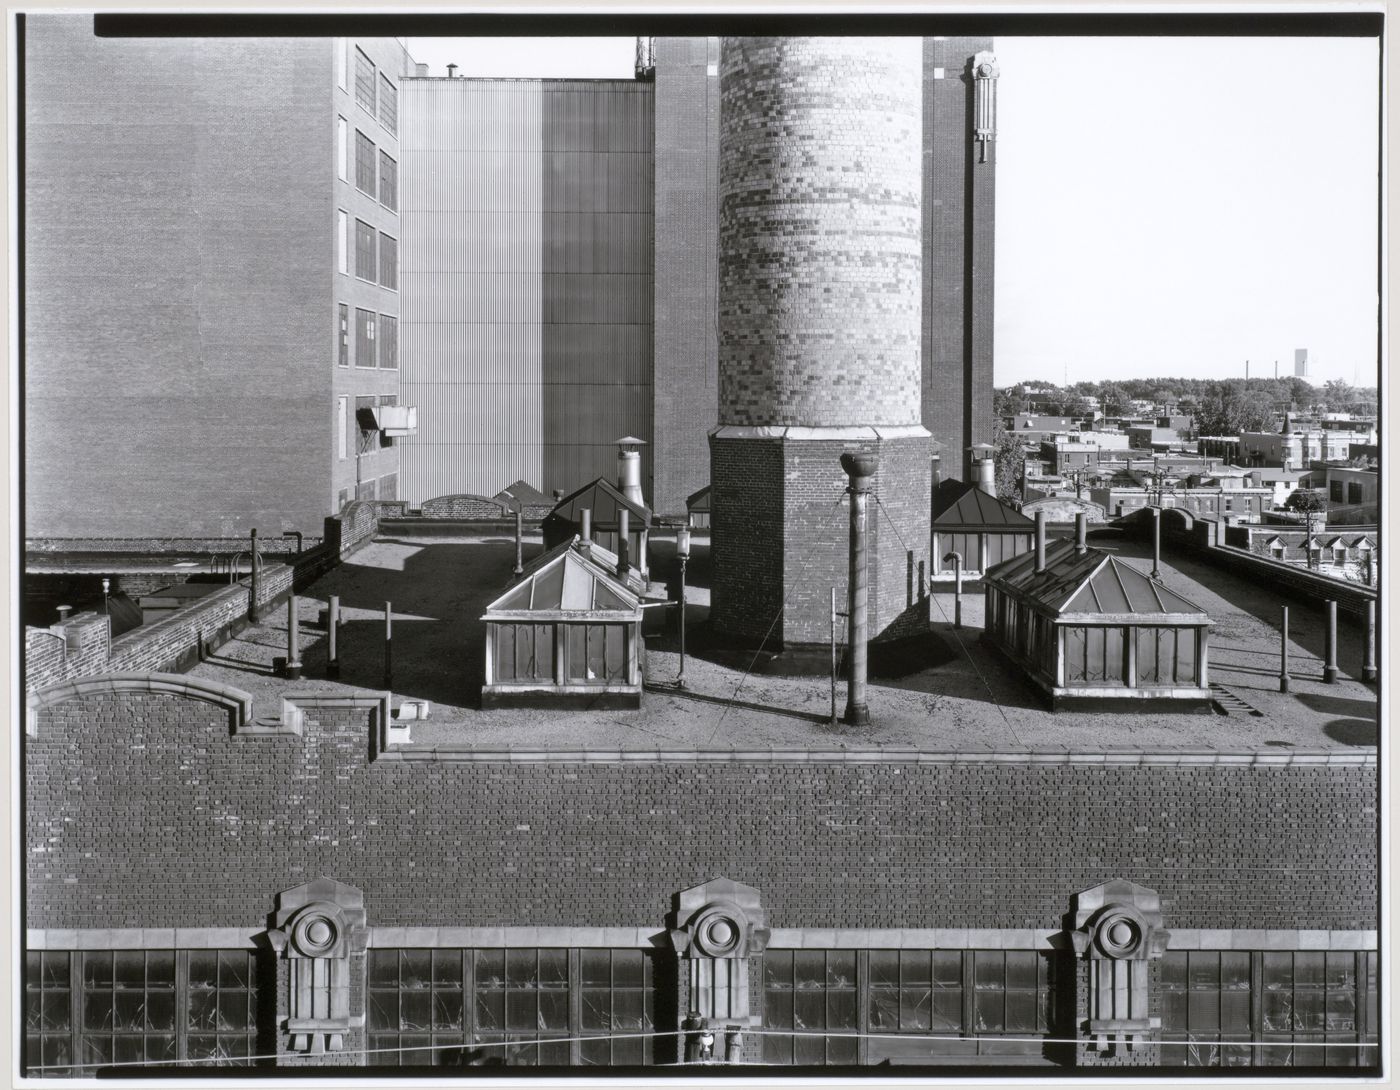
x: 143, y: 810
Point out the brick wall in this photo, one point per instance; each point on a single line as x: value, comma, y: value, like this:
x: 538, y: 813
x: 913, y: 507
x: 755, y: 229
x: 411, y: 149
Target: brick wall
x: 144, y: 811
x: 465, y: 506
x: 178, y: 331
x: 819, y: 231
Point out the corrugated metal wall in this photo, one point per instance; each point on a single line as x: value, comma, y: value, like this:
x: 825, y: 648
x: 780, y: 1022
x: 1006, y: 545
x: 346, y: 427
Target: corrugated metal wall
x: 526, y: 269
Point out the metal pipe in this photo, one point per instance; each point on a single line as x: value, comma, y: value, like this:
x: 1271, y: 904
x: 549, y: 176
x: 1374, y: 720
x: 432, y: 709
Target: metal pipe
x: 1156, y: 543
x: 623, y: 529
x: 1329, y: 653
x: 519, y: 535
x: 957, y: 589
x: 585, y: 534
x: 680, y: 677
x: 293, y: 640
x: 860, y: 467
x: 388, y: 645
x: 296, y: 534
x: 333, y: 630
x: 833, y: 656
x: 1368, y: 652
x: 1039, y: 541
x: 1283, y: 654
x: 253, y: 611
x: 1081, y: 533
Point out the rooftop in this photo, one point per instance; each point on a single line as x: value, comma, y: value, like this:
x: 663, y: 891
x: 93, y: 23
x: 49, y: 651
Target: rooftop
x: 965, y: 697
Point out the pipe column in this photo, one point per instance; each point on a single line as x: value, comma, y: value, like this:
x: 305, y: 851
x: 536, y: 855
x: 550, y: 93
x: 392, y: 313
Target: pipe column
x: 860, y: 468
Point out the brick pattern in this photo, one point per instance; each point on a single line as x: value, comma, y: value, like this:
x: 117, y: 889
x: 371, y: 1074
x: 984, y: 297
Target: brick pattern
x: 819, y: 231
x: 791, y: 543
x: 143, y: 811
x: 465, y: 506
x: 146, y: 546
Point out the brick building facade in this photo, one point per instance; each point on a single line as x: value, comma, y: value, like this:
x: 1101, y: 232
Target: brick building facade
x: 178, y: 853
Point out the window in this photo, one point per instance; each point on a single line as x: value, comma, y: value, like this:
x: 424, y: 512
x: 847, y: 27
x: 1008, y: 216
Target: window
x: 388, y: 104
x: 1354, y: 492
x: 342, y: 336
x: 343, y: 428
x: 597, y: 653
x: 388, y: 182
x: 389, y: 262
x: 1304, y: 1009
x: 1166, y: 656
x: 364, y: 250
x: 369, y: 437
x: 364, y: 80
x: 388, y: 342
x: 389, y: 486
x: 48, y: 1011
x: 342, y: 149
x: 1339, y: 555
x: 615, y: 989
x: 364, y: 341
x: 810, y: 990
x: 522, y: 996
x: 1335, y: 491
x: 1277, y: 550
x: 364, y: 163
x: 342, y: 242
x: 523, y: 652
x: 141, y: 1006
x: 1094, y: 655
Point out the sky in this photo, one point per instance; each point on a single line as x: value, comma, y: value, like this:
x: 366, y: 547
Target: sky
x: 1165, y: 206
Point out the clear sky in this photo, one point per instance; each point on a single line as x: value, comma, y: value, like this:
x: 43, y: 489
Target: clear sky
x: 1165, y: 206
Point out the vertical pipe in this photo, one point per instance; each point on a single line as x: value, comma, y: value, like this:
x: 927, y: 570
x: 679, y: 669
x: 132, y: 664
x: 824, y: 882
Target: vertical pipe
x: 861, y: 468
x: 623, y: 529
x: 1081, y: 533
x: 293, y: 639
x: 909, y: 577
x: 519, y: 534
x: 585, y: 535
x: 388, y: 645
x: 957, y: 590
x: 1156, y: 543
x: 1329, y: 665
x: 1283, y: 654
x: 1039, y: 540
x: 923, y: 582
x: 253, y: 612
x: 680, y: 677
x: 833, y: 656
x: 333, y: 634
x: 1368, y: 652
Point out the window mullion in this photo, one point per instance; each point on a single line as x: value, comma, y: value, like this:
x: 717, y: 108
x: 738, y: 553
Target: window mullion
x: 576, y: 1006
x: 863, y: 1005
x: 181, y: 1003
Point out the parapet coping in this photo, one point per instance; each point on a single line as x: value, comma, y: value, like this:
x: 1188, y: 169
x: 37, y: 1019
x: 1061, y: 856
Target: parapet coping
x: 1105, y: 757
x: 842, y: 432
x: 781, y: 938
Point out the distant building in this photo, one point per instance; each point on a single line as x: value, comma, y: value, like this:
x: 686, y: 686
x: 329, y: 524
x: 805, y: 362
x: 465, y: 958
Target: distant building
x: 1231, y: 504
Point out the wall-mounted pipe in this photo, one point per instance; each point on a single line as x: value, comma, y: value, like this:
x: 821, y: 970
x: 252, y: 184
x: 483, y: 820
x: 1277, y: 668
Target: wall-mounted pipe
x: 1039, y: 541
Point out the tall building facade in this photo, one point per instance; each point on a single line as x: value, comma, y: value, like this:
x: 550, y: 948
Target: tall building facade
x: 209, y: 280
x: 960, y: 77
x: 527, y: 280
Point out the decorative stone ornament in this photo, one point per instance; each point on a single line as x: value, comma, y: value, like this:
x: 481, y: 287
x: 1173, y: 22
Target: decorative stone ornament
x: 318, y: 927
x: 718, y: 927
x: 1118, y: 929
x: 985, y: 72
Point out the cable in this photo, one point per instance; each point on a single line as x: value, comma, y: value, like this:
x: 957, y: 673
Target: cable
x: 971, y: 661
x: 754, y: 661
x: 1250, y: 1042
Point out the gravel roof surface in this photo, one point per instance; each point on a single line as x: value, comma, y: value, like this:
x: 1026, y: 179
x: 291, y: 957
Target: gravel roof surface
x: 973, y: 701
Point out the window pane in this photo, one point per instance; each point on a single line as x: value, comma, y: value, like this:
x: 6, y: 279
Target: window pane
x: 447, y: 1008
x: 388, y: 182
x: 490, y: 968
x: 388, y: 262
x: 1021, y: 966
x: 914, y: 968
x: 364, y: 251
x: 365, y: 162
x: 160, y: 1010
x: 947, y: 1011
x: 884, y: 968
x: 415, y: 1010
x: 130, y: 969
x: 447, y: 969
x: 553, y: 968
x: 55, y: 968
x: 808, y: 969
x: 56, y: 1010
x: 841, y: 969
x: 522, y: 1012
x: 777, y: 1011
x: 841, y: 1009
x: 595, y: 1009
x: 364, y: 81
x: 627, y: 1012
x: 383, y: 968
x: 808, y: 1010
x: 382, y: 1012
x: 364, y: 341
x: 1234, y: 970
x: 629, y: 968
x: 233, y: 969
x: 490, y: 1010
x: 388, y: 105
x: 915, y: 1008
x: 947, y: 968
x: 415, y: 969
x: 553, y: 1010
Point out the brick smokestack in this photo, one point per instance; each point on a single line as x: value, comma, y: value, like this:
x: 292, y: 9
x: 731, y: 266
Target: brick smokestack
x: 820, y: 307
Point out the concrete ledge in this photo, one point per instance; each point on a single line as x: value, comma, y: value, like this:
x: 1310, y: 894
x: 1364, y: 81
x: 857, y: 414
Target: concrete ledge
x: 1125, y: 757
x: 842, y: 433
x: 238, y: 702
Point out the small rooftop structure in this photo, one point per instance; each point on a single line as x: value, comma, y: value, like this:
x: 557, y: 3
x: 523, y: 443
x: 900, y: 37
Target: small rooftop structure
x: 605, y: 503
x: 976, y: 525
x: 1088, y: 627
x: 524, y: 497
x: 697, y: 506
x: 566, y: 634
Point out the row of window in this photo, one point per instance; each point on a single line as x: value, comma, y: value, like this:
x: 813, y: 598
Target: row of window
x: 376, y: 340
x: 520, y: 1006
x: 377, y: 265
x: 376, y: 173
x: 1353, y: 492
x: 373, y: 90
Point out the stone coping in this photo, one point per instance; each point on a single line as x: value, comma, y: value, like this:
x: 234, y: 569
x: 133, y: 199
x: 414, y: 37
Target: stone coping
x: 795, y: 938
x: 840, y: 432
x: 1106, y: 756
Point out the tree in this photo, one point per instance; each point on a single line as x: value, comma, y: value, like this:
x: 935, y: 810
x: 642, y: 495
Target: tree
x: 1228, y: 408
x: 1337, y: 394
x: 1010, y: 459
x: 1114, y: 400
x: 1309, y: 502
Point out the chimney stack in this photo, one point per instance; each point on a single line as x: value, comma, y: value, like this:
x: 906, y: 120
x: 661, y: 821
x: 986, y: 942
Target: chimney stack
x: 629, y: 468
x: 585, y: 537
x: 1081, y: 533
x: 63, y: 613
x: 1040, y: 541
x: 451, y: 71
x: 623, y: 529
